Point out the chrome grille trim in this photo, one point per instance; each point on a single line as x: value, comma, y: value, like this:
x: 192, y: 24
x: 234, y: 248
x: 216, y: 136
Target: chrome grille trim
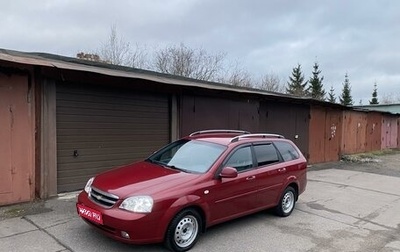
x: 102, y: 198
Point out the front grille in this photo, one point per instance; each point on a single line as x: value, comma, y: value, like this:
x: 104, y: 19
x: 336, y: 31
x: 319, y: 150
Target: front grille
x: 107, y: 200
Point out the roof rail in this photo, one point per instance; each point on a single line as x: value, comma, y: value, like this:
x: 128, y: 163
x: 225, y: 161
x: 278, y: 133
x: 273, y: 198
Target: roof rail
x: 260, y: 135
x: 218, y: 131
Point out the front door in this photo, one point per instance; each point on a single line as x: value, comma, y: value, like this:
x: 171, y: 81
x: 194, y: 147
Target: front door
x: 234, y: 196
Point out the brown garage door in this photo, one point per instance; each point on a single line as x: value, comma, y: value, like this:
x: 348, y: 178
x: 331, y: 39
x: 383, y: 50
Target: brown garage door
x: 99, y: 128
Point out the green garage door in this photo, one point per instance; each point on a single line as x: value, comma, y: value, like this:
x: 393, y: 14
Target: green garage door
x: 99, y: 128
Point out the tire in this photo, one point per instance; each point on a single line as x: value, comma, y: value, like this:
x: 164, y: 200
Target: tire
x: 183, y: 231
x: 287, y: 202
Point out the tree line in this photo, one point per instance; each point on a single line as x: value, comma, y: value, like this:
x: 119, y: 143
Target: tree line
x: 199, y: 64
x: 314, y: 88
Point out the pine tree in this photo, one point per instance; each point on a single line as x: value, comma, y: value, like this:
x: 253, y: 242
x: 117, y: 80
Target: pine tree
x: 316, y: 87
x: 296, y: 84
x: 331, y: 95
x: 346, y: 98
x: 374, y: 99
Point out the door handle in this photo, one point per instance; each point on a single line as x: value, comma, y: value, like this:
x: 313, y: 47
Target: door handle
x: 281, y: 169
x: 251, y: 178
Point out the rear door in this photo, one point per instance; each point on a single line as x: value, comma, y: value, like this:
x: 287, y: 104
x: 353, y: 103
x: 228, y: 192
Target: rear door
x: 271, y: 175
x: 294, y: 163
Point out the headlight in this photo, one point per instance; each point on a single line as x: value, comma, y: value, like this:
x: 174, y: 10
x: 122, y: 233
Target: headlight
x: 138, y: 204
x: 88, y: 185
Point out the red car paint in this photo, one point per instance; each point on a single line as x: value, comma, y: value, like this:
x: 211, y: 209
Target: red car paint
x: 216, y: 198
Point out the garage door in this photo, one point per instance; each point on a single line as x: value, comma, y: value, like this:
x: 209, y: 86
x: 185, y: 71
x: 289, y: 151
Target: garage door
x: 99, y: 128
x: 202, y: 113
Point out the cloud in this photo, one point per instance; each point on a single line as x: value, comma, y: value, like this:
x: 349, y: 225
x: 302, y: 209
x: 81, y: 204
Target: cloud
x: 360, y: 38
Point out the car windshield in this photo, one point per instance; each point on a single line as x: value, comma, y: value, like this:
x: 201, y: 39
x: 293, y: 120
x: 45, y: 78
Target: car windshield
x: 188, y: 155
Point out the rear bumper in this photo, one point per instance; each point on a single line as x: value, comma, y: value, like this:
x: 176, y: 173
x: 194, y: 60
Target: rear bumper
x: 142, y: 228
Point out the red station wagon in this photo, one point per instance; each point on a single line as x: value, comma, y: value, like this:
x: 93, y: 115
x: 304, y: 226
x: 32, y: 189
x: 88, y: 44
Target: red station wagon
x: 191, y: 184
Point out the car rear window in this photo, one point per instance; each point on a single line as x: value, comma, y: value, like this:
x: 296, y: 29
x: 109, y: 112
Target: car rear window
x: 287, y: 151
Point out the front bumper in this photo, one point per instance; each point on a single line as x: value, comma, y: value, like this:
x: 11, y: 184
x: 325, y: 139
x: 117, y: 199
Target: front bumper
x: 142, y: 228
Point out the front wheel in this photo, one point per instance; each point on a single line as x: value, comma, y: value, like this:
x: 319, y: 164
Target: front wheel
x: 287, y: 202
x: 183, y: 231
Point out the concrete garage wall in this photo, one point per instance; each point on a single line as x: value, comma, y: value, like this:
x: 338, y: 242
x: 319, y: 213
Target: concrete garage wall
x: 17, y: 173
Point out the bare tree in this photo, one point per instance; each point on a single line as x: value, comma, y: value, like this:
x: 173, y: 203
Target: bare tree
x: 236, y: 75
x: 387, y: 99
x: 240, y: 78
x: 179, y: 60
x: 272, y: 82
x: 119, y: 52
x: 193, y: 63
x: 88, y: 56
x: 390, y: 98
x: 139, y: 57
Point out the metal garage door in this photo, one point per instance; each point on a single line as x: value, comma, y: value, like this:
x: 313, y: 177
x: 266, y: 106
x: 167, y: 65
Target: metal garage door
x: 99, y: 128
x: 287, y: 119
x: 201, y: 113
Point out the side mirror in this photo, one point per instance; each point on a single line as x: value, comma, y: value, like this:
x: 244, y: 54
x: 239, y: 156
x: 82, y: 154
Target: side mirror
x: 228, y: 172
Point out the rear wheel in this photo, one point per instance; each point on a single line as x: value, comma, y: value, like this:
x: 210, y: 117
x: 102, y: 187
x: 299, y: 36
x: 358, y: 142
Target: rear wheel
x: 183, y: 231
x: 287, y: 202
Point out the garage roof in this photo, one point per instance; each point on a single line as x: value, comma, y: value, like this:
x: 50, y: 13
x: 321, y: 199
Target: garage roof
x: 75, y: 64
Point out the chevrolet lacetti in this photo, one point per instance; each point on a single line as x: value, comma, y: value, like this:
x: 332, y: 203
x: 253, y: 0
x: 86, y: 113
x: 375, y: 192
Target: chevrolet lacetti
x: 191, y: 184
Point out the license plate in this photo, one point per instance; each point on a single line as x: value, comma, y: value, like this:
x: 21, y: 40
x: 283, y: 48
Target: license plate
x: 90, y: 214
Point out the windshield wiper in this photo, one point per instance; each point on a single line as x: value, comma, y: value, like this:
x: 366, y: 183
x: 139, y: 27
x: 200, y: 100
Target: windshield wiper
x: 165, y: 165
x: 174, y: 167
x: 155, y: 161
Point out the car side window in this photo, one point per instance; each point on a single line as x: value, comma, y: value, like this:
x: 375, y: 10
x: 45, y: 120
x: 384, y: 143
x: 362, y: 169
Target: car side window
x: 266, y: 154
x: 287, y: 151
x: 241, y: 159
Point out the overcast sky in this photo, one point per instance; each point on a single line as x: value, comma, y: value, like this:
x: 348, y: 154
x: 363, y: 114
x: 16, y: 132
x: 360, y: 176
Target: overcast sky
x: 361, y: 38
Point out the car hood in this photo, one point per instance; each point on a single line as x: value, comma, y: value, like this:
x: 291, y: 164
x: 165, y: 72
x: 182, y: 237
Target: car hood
x: 143, y: 178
